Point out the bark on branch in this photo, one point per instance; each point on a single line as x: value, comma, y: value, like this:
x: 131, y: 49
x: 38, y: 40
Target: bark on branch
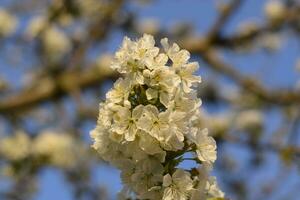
x: 51, y: 88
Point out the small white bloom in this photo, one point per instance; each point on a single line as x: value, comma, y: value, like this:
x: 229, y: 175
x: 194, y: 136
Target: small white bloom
x: 187, y: 77
x: 275, y: 10
x: 149, y: 26
x: 16, y: 147
x: 213, y: 189
x: 125, y: 121
x: 181, y: 66
x: 133, y: 57
x: 56, y: 42
x: 59, y: 148
x: 147, y: 178
x: 177, y: 56
x: 151, y: 146
x: 178, y: 186
x: 103, y: 64
x: 206, y: 145
x: 35, y: 26
x: 120, y: 92
x: 154, y: 122
x: 8, y: 23
x: 249, y: 120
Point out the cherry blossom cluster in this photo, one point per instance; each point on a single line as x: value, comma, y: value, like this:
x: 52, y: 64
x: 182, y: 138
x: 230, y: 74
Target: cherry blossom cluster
x: 149, y: 124
x: 49, y: 147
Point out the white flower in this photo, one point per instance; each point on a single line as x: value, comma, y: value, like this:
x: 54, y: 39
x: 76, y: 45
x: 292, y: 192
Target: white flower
x: 100, y: 142
x: 150, y: 120
x: 35, y: 26
x: 120, y: 92
x: 105, y: 119
x: 125, y: 121
x: 249, y: 120
x: 134, y: 56
x: 213, y: 189
x: 163, y: 83
x: 154, y: 122
x: 8, y: 23
x: 185, y: 103
x: 149, y: 25
x: 206, y: 145
x: 56, y: 42
x: 59, y: 148
x: 16, y: 147
x: 270, y: 41
x: 103, y: 64
x: 178, y: 186
x: 219, y: 123
x: 147, y: 178
x: 151, y: 146
x: 187, y: 77
x: 181, y: 66
x: 178, y: 128
x: 207, y: 187
x: 275, y: 10
x: 177, y: 56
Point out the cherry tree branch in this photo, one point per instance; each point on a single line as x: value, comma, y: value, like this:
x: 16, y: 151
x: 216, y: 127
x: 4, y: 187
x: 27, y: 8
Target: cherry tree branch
x: 52, y: 88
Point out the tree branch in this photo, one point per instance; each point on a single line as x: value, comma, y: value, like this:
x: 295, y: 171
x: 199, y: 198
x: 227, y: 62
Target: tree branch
x: 224, y: 16
x: 48, y: 88
x: 204, y: 48
x: 283, y: 97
